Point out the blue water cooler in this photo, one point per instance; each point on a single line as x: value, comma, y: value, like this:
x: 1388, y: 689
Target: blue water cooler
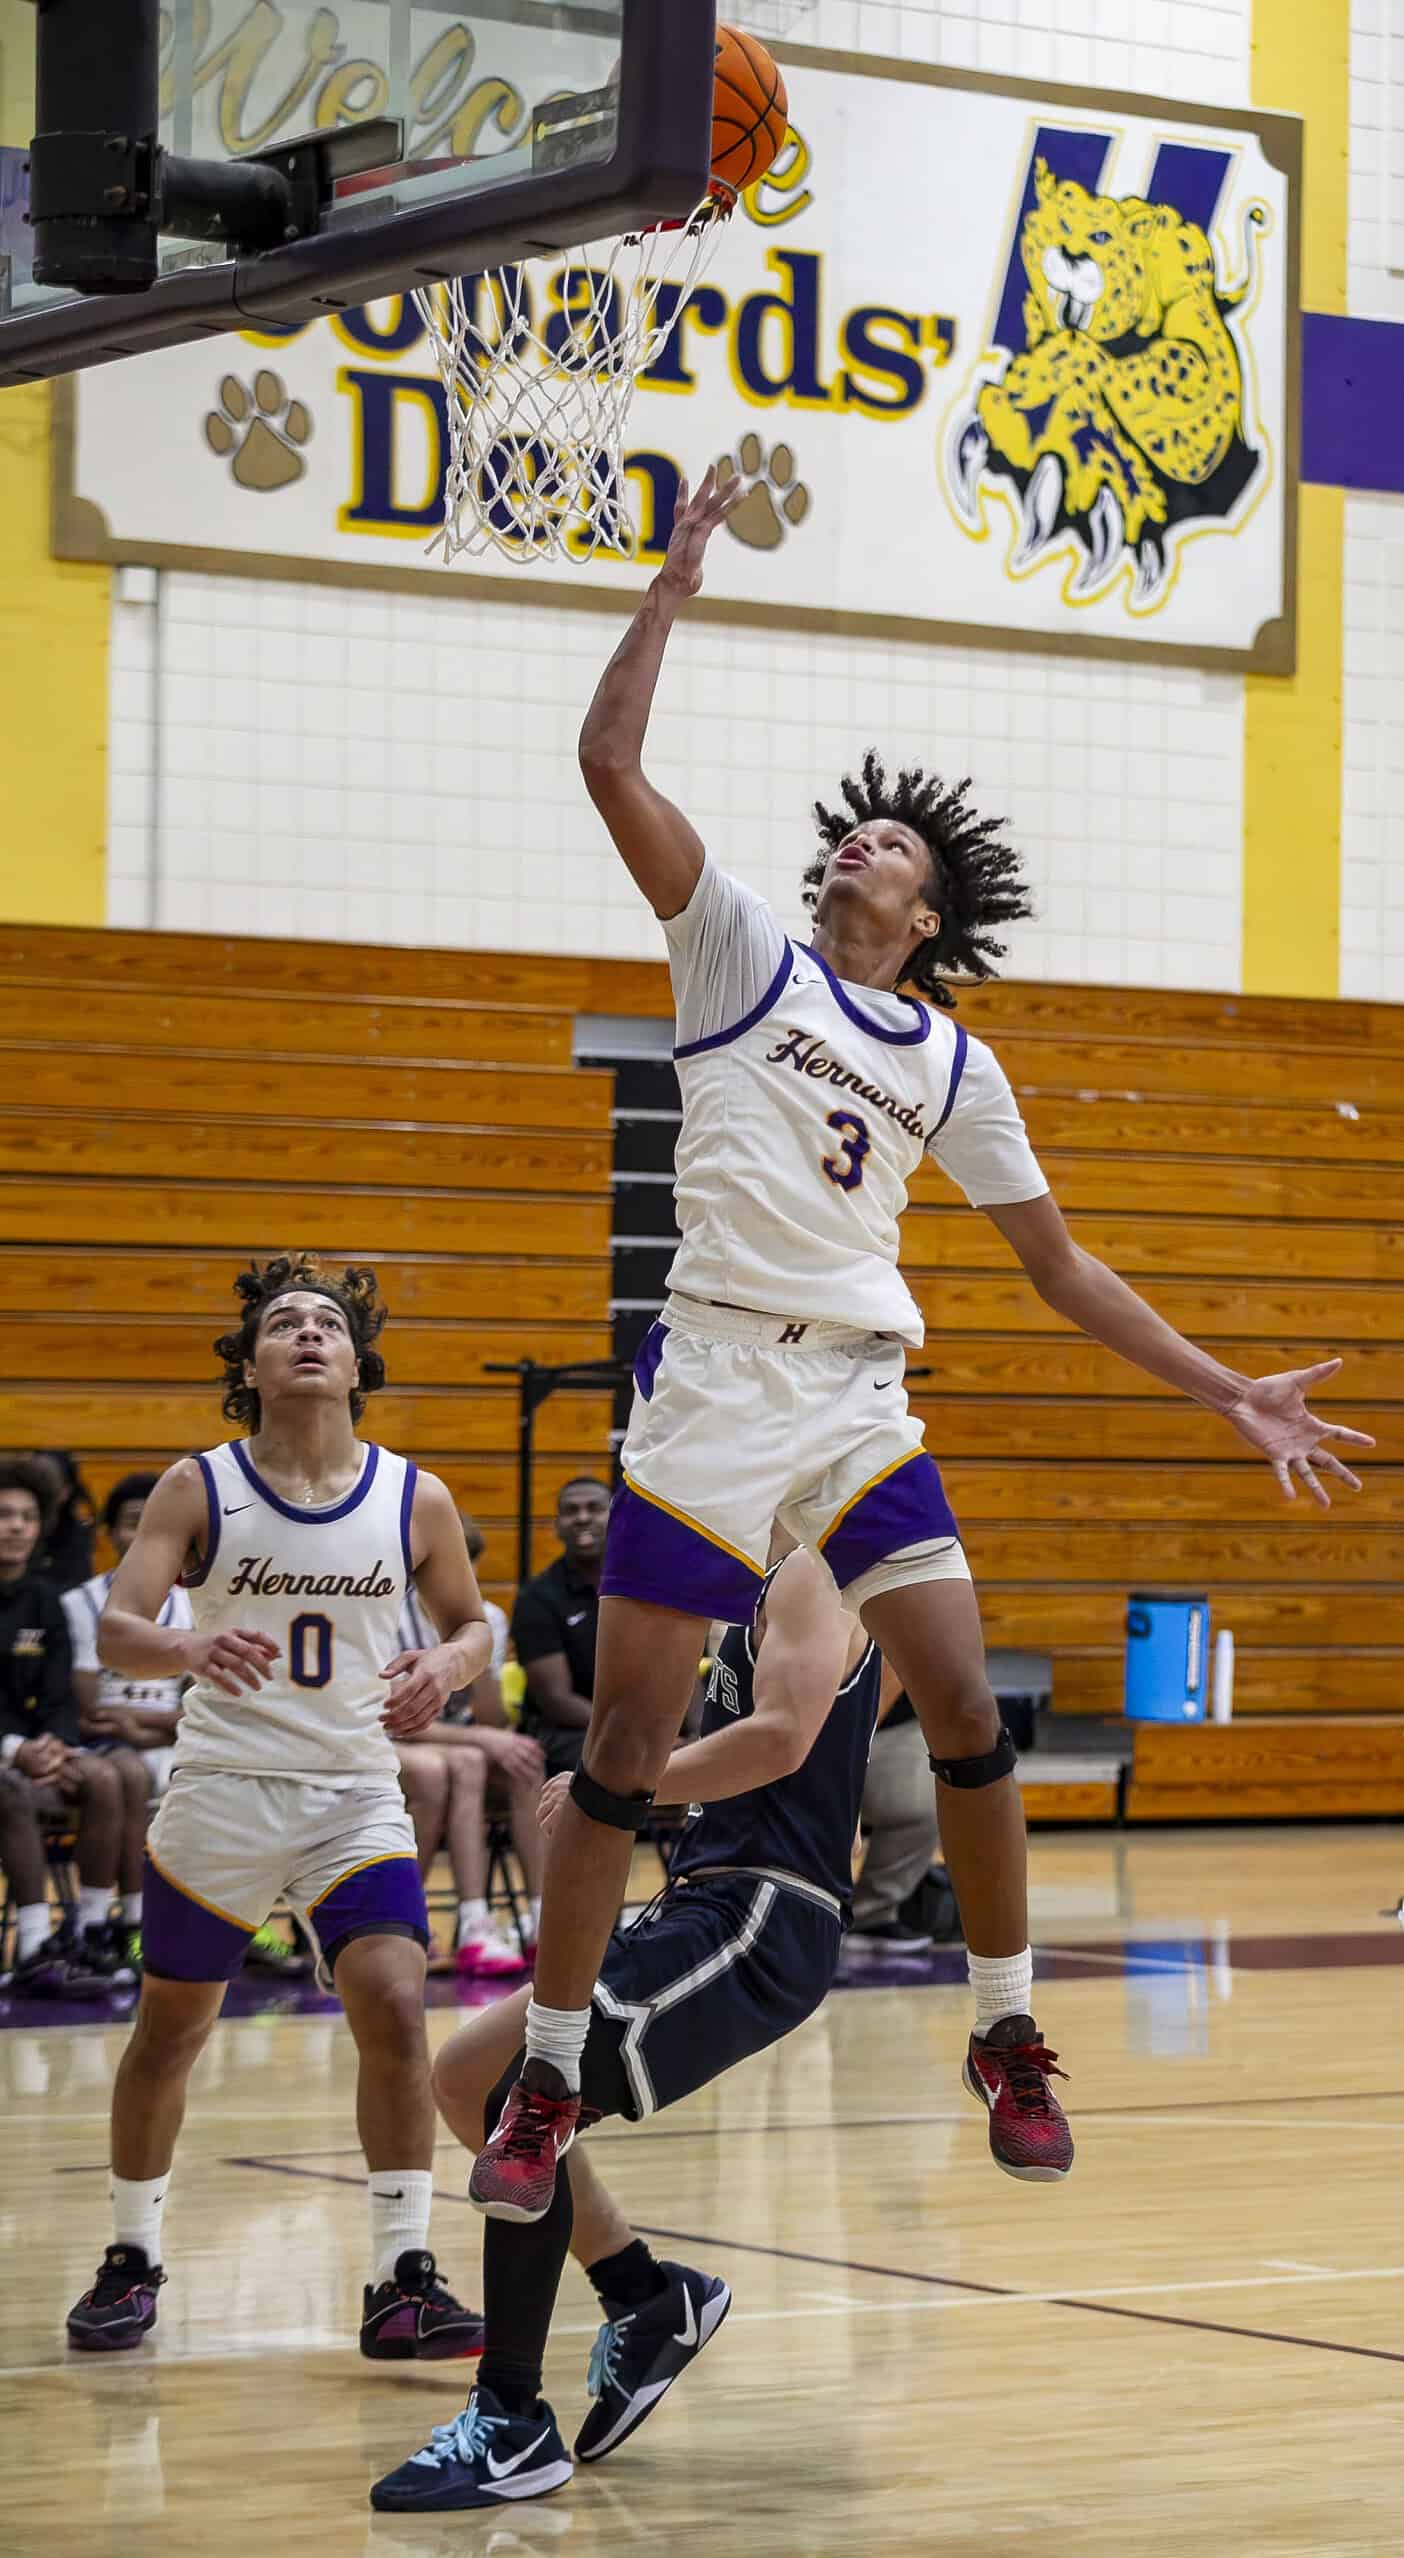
x: 1167, y: 1657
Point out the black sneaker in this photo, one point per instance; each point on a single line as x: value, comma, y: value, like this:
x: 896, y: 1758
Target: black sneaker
x: 96, y: 1963
x: 414, y: 2318
x: 41, y: 1973
x: 120, y: 2308
x: 485, y: 2457
x: 887, y: 1936
x: 637, y: 2358
x: 269, y: 1951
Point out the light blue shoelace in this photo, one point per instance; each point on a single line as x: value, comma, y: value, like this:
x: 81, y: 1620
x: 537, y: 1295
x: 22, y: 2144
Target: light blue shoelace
x: 463, y: 2440
x: 604, y: 2357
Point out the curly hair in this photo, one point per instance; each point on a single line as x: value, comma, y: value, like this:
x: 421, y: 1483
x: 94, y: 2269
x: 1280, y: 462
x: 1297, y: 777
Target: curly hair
x: 977, y: 878
x: 355, y: 1291
x: 18, y: 1475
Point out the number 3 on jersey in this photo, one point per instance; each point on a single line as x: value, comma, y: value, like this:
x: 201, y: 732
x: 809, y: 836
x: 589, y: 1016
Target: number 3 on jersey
x: 847, y: 1172
x: 310, y: 1651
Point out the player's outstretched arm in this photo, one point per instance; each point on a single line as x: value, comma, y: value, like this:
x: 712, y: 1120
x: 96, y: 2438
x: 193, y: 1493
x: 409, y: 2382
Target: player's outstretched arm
x: 805, y: 1644
x: 1271, y: 1413
x: 663, y: 852
x: 447, y: 1586
x: 130, y: 1641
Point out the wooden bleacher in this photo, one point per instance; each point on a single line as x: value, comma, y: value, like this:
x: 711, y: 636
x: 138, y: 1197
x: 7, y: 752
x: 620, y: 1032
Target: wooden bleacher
x: 176, y: 1102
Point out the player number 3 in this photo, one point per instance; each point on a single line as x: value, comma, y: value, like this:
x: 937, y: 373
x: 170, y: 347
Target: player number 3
x: 847, y: 1172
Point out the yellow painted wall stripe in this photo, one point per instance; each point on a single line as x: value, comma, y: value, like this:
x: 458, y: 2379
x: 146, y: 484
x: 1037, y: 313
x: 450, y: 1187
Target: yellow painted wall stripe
x: 1292, y: 727
x: 54, y: 628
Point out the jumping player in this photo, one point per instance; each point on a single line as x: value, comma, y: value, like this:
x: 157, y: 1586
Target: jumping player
x: 297, y: 1545
x: 773, y: 1386
x: 739, y: 1949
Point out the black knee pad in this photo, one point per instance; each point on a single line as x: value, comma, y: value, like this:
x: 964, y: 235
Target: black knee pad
x: 617, y: 1811
x: 986, y: 1769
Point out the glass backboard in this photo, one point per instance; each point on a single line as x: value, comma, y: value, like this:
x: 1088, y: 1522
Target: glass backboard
x: 527, y: 124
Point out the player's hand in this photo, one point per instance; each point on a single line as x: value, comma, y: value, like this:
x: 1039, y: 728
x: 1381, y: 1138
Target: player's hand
x: 515, y: 1753
x: 1273, y: 1417
x: 42, y: 1758
x: 424, y: 1682
x: 696, y: 520
x: 552, y: 1803
x: 234, y: 1662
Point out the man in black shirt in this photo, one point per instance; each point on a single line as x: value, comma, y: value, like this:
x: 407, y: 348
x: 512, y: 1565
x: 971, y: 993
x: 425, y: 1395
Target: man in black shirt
x: 554, y: 1623
x: 42, y: 1769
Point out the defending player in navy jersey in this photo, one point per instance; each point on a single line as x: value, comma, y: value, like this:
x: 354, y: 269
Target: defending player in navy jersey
x: 773, y: 1387
x: 738, y: 1950
x: 297, y: 1546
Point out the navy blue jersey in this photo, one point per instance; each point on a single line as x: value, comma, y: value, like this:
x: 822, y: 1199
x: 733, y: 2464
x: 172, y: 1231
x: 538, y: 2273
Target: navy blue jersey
x: 803, y: 1824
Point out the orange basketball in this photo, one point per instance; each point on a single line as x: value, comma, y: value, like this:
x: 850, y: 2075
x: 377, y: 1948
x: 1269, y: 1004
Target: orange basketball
x: 750, y: 111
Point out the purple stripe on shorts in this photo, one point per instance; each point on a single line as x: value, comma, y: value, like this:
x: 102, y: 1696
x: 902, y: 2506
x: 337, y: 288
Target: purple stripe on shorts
x: 649, y: 1359
x: 388, y: 1894
x: 651, y: 1555
x: 906, y: 1508
x: 180, y: 1939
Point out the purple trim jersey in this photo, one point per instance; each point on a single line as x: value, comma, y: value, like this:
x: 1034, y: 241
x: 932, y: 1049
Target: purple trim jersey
x: 808, y: 1104
x: 328, y: 1587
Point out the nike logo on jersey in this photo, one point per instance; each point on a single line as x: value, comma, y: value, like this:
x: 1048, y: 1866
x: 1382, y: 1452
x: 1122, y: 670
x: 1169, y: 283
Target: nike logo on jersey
x: 687, y: 2334
x: 232, y: 1508
x: 881, y: 1384
x: 503, y: 2468
x: 578, y: 1618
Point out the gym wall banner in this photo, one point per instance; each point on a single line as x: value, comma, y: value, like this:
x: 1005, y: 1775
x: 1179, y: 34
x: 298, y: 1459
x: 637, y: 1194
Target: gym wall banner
x: 998, y: 364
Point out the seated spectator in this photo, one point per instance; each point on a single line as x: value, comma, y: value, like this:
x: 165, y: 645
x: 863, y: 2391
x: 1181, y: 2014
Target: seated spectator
x: 457, y: 1775
x: 112, y: 1711
x: 43, y: 1770
x: 65, y: 1555
x: 554, y: 1625
x: 899, y: 1822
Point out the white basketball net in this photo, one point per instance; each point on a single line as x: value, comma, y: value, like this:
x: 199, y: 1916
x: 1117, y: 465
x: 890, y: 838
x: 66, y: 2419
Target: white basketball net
x: 538, y: 366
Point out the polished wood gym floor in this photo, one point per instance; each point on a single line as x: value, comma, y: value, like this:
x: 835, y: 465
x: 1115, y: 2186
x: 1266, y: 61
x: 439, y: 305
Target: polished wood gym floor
x: 1196, y: 2346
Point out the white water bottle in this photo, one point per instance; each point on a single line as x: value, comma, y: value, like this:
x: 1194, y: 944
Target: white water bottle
x: 1223, y: 1676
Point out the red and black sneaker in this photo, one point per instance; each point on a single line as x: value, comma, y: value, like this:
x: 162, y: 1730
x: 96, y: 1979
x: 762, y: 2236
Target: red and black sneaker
x: 121, y: 2306
x: 514, y: 2174
x: 414, y: 2318
x: 1009, y: 2069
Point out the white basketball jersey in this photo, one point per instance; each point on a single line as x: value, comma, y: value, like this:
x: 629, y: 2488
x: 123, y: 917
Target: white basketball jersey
x: 327, y: 1586
x: 807, y: 1107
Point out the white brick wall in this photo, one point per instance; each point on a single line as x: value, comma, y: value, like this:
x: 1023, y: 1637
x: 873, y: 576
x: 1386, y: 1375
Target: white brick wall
x: 1372, y: 784
x: 1372, y: 817
x: 300, y: 759
x: 1376, y: 256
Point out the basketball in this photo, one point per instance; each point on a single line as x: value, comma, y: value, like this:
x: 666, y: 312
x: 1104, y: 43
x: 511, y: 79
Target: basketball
x: 750, y: 111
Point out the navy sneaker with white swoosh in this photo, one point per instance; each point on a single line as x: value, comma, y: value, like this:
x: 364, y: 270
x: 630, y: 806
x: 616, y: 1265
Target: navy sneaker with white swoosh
x: 485, y: 2457
x: 637, y: 2358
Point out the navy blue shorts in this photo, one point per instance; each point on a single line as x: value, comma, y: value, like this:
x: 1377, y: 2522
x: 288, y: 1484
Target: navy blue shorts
x: 711, y: 1973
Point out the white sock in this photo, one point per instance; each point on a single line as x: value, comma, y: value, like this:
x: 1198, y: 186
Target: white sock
x: 32, y: 1928
x: 557, y: 2035
x: 138, y: 2203
x: 131, y: 1909
x: 1003, y: 1986
x: 472, y: 1921
x: 399, y: 2215
x: 94, y: 1904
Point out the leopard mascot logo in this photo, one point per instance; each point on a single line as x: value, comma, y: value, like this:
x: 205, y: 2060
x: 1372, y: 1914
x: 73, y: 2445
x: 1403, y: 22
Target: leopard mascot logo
x: 1121, y: 419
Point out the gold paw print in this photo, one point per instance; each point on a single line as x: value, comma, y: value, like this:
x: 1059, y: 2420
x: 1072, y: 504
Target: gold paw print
x: 775, y: 500
x: 262, y: 432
